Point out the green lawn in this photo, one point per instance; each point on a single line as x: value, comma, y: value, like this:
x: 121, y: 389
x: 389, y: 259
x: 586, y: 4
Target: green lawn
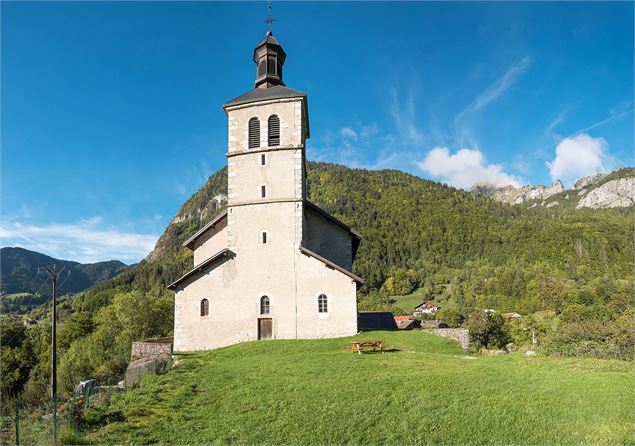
x: 16, y: 295
x: 426, y: 392
x: 409, y: 301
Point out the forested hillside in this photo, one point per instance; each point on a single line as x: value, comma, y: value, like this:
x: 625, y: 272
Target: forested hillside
x: 575, y: 265
x: 408, y: 222
x: 20, y: 279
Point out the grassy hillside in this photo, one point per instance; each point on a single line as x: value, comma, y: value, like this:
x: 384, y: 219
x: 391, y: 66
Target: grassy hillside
x: 426, y: 391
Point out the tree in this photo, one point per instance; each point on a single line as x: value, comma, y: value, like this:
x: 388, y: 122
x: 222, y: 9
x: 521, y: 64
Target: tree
x: 487, y: 330
x: 450, y: 316
x: 14, y: 369
x: 13, y: 332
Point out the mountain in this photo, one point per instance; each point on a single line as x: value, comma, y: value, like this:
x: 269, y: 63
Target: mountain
x: 19, y: 272
x: 513, y: 195
x: 413, y: 224
x: 569, y: 270
x: 602, y: 190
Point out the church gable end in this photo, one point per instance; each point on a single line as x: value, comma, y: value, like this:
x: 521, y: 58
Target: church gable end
x: 329, y: 237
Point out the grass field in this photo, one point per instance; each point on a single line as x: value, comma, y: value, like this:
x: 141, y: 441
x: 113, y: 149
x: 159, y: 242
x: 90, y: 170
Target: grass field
x: 426, y: 391
x: 408, y: 302
x: 16, y: 295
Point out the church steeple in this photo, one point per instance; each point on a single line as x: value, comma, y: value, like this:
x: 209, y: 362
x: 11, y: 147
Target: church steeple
x: 269, y: 58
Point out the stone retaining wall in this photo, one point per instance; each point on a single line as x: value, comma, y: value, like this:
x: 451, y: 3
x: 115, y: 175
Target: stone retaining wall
x: 151, y: 347
x: 460, y: 335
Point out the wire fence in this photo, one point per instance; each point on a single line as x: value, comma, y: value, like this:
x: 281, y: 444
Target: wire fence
x: 65, y: 421
x: 24, y: 424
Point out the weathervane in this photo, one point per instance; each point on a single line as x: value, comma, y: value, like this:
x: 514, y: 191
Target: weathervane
x: 270, y: 19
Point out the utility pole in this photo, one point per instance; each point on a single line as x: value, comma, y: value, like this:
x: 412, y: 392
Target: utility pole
x: 54, y: 276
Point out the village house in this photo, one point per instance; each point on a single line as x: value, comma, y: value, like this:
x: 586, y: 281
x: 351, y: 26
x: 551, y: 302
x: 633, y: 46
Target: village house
x: 273, y: 265
x: 512, y: 316
x: 428, y: 324
x: 407, y: 322
x: 425, y: 308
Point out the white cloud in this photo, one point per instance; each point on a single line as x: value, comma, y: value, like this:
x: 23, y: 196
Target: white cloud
x: 83, y: 241
x: 348, y: 132
x: 579, y: 156
x: 496, y: 89
x: 465, y: 168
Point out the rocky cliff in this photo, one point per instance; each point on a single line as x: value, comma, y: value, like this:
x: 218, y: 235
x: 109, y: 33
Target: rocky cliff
x: 601, y: 190
x: 613, y: 194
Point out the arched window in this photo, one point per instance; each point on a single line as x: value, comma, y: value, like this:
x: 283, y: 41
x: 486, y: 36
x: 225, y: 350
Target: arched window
x: 254, y: 133
x: 271, y: 66
x: 205, y: 307
x: 262, y: 68
x: 274, y: 130
x: 323, y: 306
x: 265, y: 306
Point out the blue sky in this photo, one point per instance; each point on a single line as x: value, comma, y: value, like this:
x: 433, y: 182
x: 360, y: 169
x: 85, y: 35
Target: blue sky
x: 112, y: 118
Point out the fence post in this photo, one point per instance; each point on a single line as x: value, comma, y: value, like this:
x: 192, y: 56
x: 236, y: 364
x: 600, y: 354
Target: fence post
x: 55, y: 420
x: 17, y: 423
x: 71, y: 408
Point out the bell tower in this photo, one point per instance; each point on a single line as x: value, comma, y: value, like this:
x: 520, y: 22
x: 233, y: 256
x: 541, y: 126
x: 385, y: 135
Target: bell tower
x: 267, y: 130
x: 273, y: 265
x: 269, y: 58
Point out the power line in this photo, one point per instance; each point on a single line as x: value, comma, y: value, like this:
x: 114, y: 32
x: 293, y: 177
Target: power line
x: 54, y: 276
x: 28, y: 301
x: 64, y: 281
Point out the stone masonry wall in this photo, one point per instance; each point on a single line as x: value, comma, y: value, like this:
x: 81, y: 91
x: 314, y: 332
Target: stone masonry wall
x: 151, y: 347
x: 460, y: 335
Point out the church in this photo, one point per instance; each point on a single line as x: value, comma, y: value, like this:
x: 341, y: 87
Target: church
x: 273, y: 265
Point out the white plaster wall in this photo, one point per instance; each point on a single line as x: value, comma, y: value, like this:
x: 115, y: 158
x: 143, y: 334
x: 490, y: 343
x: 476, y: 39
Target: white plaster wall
x: 328, y: 239
x: 246, y: 175
x: 214, y: 240
x: 234, y: 295
x: 316, y: 278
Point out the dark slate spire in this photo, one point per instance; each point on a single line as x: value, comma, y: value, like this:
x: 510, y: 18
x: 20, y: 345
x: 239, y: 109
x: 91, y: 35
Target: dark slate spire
x: 269, y: 58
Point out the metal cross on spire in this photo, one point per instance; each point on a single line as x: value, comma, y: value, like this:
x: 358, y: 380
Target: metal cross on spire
x: 270, y: 19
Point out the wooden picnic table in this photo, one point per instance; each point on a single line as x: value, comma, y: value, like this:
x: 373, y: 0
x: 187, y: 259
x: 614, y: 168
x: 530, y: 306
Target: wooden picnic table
x: 367, y: 344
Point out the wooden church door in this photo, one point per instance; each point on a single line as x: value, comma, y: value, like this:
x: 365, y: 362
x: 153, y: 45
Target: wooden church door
x: 265, y: 328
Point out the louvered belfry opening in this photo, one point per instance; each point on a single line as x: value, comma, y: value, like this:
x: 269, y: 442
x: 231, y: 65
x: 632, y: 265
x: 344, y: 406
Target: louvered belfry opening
x: 254, y: 133
x: 274, y: 130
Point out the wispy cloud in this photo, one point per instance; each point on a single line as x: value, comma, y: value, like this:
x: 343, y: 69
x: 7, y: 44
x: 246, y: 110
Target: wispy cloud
x: 495, y: 90
x: 85, y: 241
x: 404, y: 116
x: 559, y: 120
x: 614, y: 113
x: 613, y: 117
x: 193, y: 179
x: 348, y: 132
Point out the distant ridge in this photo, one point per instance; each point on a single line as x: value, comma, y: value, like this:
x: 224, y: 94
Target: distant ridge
x: 19, y: 272
x: 602, y: 190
